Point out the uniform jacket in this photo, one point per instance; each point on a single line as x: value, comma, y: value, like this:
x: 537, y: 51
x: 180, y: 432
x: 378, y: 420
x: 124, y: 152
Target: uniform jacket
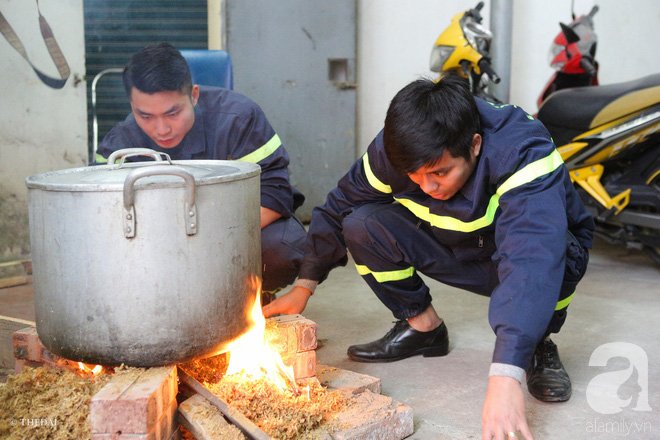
x: 514, y: 209
x: 228, y: 126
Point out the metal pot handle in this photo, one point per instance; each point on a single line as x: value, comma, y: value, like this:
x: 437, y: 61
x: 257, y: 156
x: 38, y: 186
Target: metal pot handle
x: 125, y: 153
x: 190, y: 214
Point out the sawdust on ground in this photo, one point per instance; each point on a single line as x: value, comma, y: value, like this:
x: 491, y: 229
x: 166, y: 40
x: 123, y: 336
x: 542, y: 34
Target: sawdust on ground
x: 47, y: 403
x: 280, y: 414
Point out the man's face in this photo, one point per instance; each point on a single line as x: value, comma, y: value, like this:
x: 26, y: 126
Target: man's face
x: 444, y: 179
x: 166, y: 117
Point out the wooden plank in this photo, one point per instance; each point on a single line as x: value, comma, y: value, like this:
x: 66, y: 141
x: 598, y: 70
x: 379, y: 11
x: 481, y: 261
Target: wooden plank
x: 252, y: 431
x: 8, y: 326
x: 12, y: 274
x: 205, y: 421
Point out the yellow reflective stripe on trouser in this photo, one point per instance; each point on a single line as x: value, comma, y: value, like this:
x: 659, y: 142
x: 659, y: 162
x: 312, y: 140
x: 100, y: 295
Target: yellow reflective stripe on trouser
x: 564, y: 302
x: 100, y: 159
x: 530, y: 172
x: 264, y: 151
x: 371, y: 177
x: 383, y: 277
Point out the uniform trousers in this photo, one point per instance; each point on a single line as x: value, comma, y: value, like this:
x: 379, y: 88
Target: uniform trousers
x: 390, y: 246
x: 281, y: 252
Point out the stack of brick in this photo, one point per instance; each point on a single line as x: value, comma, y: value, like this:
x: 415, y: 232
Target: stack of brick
x: 137, y: 407
x: 295, y: 339
x: 144, y: 407
x: 369, y: 414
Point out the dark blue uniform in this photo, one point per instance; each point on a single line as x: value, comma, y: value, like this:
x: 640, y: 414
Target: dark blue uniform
x: 504, y: 234
x: 230, y: 126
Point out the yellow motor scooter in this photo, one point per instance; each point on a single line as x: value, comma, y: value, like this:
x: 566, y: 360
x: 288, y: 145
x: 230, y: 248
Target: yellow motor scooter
x: 464, y: 47
x: 608, y: 135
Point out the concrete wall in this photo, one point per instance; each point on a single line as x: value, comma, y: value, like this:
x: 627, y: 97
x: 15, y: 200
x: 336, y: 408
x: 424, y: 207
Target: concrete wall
x: 44, y: 129
x: 395, y: 40
x: 41, y: 128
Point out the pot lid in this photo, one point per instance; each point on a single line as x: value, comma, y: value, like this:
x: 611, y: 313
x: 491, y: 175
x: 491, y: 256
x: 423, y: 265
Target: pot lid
x: 112, y: 177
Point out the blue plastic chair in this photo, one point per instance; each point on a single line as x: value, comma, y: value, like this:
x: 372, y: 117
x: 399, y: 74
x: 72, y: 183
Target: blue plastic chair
x: 210, y: 67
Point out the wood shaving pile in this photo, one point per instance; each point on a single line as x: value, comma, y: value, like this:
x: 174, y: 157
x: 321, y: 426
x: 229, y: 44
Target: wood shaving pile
x: 280, y: 414
x: 47, y: 403
x: 209, y: 370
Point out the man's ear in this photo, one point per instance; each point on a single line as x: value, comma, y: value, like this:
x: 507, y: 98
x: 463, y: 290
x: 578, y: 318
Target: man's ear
x: 475, y: 148
x: 194, y: 95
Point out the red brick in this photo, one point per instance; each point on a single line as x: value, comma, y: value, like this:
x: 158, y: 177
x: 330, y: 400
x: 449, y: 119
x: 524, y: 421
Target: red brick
x: 20, y: 365
x: 291, y: 333
x: 168, y: 423
x: 133, y: 406
x: 166, y: 429
x: 346, y: 381
x: 27, y: 345
x: 304, y: 363
x: 374, y: 416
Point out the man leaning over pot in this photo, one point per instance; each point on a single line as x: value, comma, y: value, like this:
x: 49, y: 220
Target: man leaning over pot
x: 192, y: 122
x: 475, y: 196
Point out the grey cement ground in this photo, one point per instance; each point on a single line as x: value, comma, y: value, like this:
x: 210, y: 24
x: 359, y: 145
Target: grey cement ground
x: 618, y: 301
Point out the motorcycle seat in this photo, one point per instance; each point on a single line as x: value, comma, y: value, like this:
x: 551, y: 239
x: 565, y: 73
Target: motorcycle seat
x: 584, y: 108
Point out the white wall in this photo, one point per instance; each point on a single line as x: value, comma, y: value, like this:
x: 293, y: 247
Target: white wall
x: 41, y: 128
x: 395, y: 40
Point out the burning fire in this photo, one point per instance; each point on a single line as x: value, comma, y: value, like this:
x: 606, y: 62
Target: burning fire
x: 85, y: 368
x: 253, y: 356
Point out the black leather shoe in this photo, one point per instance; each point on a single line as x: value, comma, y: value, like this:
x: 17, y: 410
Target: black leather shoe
x: 401, y: 342
x: 547, y: 380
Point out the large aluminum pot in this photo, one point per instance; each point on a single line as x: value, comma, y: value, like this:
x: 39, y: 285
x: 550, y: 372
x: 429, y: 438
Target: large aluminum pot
x: 145, y: 264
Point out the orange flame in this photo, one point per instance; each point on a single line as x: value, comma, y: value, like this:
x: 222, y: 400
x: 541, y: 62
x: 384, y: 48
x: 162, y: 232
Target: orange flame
x: 252, y: 355
x: 96, y: 370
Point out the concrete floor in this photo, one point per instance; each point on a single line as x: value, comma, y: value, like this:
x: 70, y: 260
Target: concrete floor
x: 618, y: 301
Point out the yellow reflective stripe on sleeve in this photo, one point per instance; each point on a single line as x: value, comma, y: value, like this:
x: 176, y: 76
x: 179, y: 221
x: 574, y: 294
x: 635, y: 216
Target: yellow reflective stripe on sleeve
x: 100, y: 159
x: 564, y: 302
x: 264, y: 151
x: 371, y: 177
x: 530, y: 172
x: 383, y: 277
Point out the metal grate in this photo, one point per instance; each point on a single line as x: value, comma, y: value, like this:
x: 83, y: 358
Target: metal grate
x: 115, y: 29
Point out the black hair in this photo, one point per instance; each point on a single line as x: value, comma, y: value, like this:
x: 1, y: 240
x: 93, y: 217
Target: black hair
x: 425, y: 118
x: 157, y: 68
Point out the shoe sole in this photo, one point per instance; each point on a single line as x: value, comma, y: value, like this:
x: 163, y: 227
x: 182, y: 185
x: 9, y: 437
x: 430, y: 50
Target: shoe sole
x: 551, y: 399
x: 427, y: 352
